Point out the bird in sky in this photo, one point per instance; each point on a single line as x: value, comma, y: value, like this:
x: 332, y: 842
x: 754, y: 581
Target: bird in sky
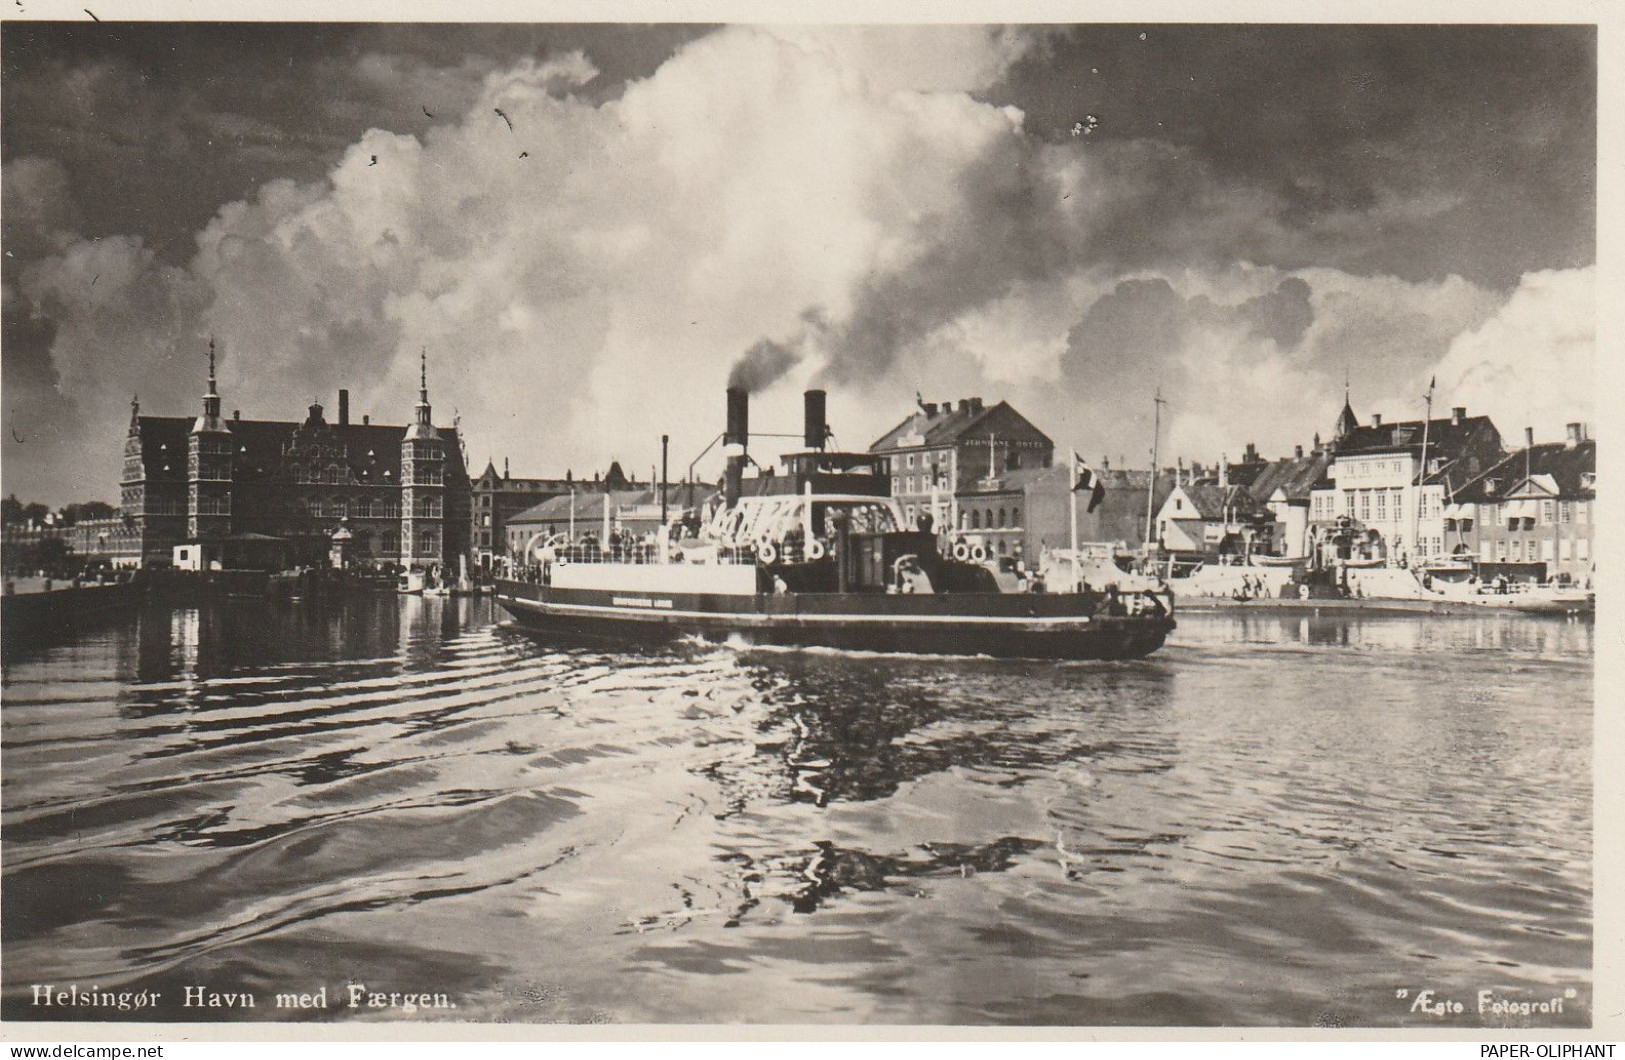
x: 374, y: 161
x: 524, y: 154
x: 426, y: 113
x: 504, y: 117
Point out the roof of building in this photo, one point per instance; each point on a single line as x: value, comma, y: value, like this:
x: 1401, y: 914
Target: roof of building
x: 1572, y: 468
x: 1212, y: 501
x: 1444, y: 435
x: 372, y: 451
x: 589, y: 504
x: 949, y: 424
x: 1295, y: 476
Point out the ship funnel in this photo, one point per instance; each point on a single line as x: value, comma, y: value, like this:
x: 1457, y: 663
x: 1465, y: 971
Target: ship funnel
x: 733, y: 479
x: 817, y: 430
x: 738, y: 431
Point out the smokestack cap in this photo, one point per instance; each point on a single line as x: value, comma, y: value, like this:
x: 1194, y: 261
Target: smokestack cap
x: 1458, y: 414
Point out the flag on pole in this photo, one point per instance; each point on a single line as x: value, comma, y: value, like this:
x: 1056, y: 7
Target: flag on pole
x: 1086, y: 479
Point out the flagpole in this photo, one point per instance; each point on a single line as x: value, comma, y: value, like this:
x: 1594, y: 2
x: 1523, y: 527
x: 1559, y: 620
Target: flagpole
x: 1072, y: 500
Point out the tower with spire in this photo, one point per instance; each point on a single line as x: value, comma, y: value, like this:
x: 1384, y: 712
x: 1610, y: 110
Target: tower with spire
x: 423, y: 493
x: 1347, y: 422
x: 208, y: 467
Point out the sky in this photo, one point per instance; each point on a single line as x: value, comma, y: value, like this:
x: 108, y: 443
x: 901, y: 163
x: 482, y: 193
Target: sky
x: 1071, y: 218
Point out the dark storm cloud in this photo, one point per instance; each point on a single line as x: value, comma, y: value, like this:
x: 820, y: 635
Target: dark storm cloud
x: 159, y: 124
x: 1414, y: 150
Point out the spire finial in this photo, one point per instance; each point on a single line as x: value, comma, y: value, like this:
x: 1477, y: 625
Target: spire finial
x: 423, y: 370
x: 211, y: 362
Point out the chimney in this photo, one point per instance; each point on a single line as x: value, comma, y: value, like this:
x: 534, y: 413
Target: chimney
x: 1297, y: 452
x: 1458, y: 414
x: 1252, y: 454
x: 738, y: 430
x: 1224, y: 469
x: 964, y: 404
x: 1576, y: 434
x: 504, y: 469
x: 1528, y: 437
x: 344, y: 408
x: 1105, y: 463
x: 816, y: 430
x: 1376, y: 419
x: 976, y: 404
x: 236, y: 415
x: 930, y: 408
x: 1179, y: 472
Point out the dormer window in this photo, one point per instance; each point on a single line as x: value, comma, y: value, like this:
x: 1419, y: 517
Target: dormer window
x: 1588, y: 480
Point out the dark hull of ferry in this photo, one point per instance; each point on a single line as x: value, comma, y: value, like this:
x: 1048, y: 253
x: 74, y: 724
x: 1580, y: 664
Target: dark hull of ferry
x: 1030, y: 626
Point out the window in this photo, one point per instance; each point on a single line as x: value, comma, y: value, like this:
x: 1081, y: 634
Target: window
x: 1500, y: 550
x: 1466, y: 525
x: 1015, y: 516
x: 1001, y: 518
x: 1382, y: 506
x: 485, y: 521
x: 1546, y: 513
x: 363, y: 508
x: 1546, y: 550
x: 1449, y: 524
x: 1179, y: 504
x: 911, y: 461
x: 428, y: 543
x: 1365, y: 506
x: 1565, y: 512
x: 1582, y: 511
x: 975, y: 520
x: 1583, y: 547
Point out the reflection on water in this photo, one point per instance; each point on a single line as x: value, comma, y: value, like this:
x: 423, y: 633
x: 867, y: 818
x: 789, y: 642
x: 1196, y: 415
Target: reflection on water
x: 1278, y: 819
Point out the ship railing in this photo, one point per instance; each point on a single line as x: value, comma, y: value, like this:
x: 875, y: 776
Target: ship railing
x: 647, y: 552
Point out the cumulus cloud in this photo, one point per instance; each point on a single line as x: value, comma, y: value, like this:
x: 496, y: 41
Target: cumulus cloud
x: 1532, y: 363
x: 829, y: 205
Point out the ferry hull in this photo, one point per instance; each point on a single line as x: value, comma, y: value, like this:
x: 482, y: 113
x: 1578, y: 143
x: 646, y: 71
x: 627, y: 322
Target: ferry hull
x: 1002, y: 625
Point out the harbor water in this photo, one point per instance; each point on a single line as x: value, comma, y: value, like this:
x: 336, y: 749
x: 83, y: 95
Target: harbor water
x: 404, y: 809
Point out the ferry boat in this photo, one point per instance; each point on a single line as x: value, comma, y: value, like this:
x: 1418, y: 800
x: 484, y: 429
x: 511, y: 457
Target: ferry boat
x: 821, y: 556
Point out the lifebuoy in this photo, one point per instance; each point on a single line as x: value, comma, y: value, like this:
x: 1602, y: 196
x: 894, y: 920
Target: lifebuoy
x: 766, y: 552
x: 961, y: 551
x: 978, y: 553
x: 815, y: 549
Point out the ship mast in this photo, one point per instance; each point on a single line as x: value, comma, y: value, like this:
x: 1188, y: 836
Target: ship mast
x: 1421, y: 477
x: 1151, y: 484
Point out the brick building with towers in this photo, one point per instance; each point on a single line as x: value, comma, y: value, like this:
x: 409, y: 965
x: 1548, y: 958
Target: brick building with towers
x: 272, y: 492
